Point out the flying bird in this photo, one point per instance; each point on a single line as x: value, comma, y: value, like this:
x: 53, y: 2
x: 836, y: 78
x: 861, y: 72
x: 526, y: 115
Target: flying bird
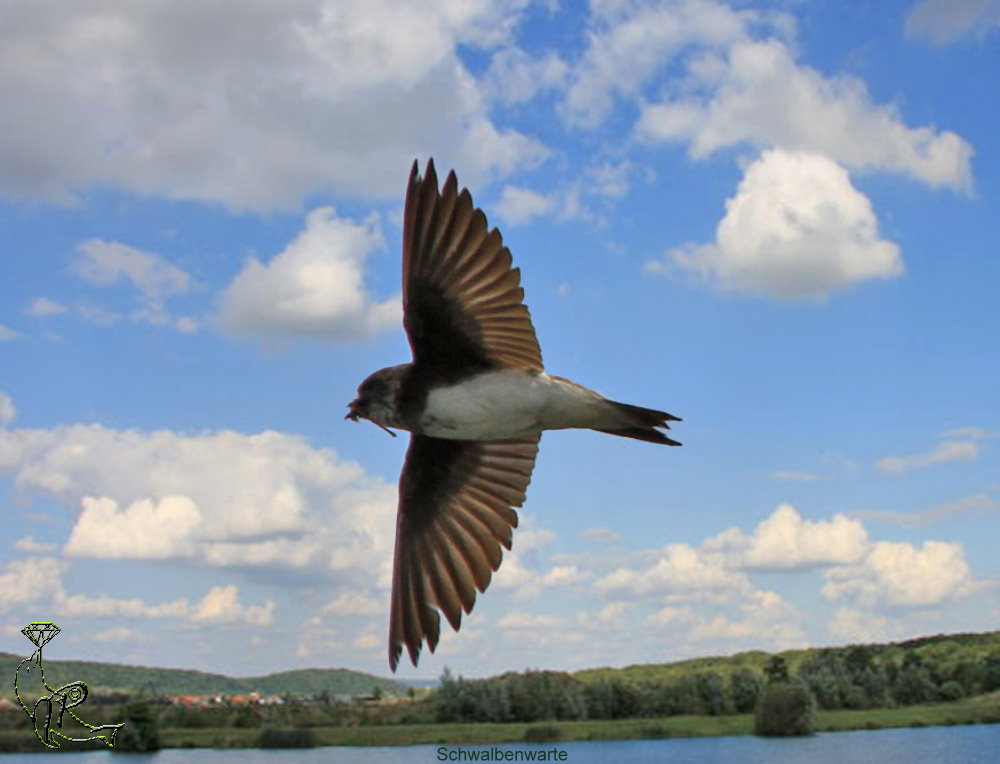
x: 475, y: 400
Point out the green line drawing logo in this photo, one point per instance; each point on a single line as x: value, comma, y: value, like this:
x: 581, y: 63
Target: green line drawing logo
x: 49, y: 711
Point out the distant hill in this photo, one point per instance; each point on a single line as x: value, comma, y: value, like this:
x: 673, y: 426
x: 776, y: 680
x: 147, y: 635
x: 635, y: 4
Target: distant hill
x: 113, y: 677
x: 939, y: 650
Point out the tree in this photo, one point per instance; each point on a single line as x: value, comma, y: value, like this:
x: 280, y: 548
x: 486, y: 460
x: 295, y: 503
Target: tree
x: 776, y: 669
x: 785, y: 708
x: 141, y: 733
x: 744, y: 687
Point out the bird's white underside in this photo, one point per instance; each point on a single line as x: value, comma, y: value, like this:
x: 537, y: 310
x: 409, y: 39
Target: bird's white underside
x: 511, y: 404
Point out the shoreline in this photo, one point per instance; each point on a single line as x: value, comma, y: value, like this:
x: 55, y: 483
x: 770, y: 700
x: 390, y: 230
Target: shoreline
x: 978, y: 710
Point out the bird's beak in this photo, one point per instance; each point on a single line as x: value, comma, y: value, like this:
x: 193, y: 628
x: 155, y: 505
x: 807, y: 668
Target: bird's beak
x: 354, y: 415
x: 352, y: 411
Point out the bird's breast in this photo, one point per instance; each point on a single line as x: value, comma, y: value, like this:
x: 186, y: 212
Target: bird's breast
x: 510, y: 403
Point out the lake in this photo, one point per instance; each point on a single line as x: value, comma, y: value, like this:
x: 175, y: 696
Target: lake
x: 974, y: 744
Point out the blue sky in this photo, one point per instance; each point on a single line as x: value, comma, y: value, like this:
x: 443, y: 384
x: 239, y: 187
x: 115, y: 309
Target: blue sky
x: 775, y: 220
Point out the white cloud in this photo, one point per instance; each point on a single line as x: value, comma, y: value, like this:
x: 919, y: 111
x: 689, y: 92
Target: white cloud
x: 971, y: 432
x: 679, y: 573
x: 267, y: 500
x: 515, y: 77
x: 222, y: 605
x: 601, y: 535
x: 29, y: 544
x: 757, y: 94
x: 764, y: 619
x: 367, y: 641
x: 104, y: 263
x: 522, y: 574
x: 33, y: 580
x: 537, y: 630
x: 785, y: 541
x: 115, y: 634
x: 254, y: 105
x: 793, y: 475
x: 897, y: 574
x: 6, y: 333
x: 946, y: 451
x: 43, y: 306
x: 630, y: 42
x: 104, y: 606
x: 519, y: 205
x: 977, y: 504
x: 143, y: 530
x: 7, y: 410
x: 946, y: 21
x: 312, y: 288
x: 354, y: 603
x: 517, y: 620
x: 855, y: 626
x: 796, y: 229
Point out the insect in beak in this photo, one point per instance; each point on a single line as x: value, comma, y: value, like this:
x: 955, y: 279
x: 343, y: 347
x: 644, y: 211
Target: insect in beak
x: 354, y: 416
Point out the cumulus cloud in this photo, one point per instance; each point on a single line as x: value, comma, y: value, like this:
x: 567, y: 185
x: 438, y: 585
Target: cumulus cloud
x: 897, y: 574
x: 797, y: 228
x: 519, y: 205
x: 29, y: 581
x: 516, y: 77
x: 946, y: 451
x: 222, y: 605
x: 145, y: 530
x: 764, y: 618
x: 855, y: 626
x: 757, y: 94
x: 523, y: 572
x: 313, y: 288
x: 105, y: 263
x: 222, y: 498
x: 253, y: 105
x: 784, y: 540
x: 630, y: 42
x: 6, y: 333
x: 537, y: 630
x: 946, y: 21
x: 680, y: 573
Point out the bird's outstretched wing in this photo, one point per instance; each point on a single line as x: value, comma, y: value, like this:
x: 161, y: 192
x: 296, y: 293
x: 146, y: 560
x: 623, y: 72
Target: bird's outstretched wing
x: 463, y: 306
x: 456, y: 500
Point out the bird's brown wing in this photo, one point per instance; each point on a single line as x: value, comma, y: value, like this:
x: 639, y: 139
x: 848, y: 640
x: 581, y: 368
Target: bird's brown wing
x: 456, y: 500
x: 463, y: 306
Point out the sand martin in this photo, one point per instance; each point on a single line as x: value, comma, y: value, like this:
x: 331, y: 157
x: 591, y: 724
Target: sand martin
x: 475, y: 399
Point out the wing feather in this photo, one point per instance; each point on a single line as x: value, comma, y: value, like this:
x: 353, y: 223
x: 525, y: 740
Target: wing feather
x: 456, y: 516
x: 463, y: 305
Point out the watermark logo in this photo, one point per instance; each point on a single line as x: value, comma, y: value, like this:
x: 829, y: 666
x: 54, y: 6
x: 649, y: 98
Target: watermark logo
x: 49, y: 712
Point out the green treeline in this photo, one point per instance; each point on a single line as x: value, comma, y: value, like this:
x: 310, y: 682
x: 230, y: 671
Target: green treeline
x: 857, y: 677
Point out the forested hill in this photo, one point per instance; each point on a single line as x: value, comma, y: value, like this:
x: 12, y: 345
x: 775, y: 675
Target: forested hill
x: 113, y: 677
x: 931, y: 669
x: 940, y: 652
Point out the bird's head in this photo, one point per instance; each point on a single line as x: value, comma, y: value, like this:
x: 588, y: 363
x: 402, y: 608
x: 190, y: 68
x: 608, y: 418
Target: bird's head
x: 376, y: 399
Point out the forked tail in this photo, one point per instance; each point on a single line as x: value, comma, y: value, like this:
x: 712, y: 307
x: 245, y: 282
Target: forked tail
x: 641, y: 424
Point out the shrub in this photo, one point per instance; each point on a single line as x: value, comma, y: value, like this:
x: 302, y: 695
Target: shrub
x: 141, y: 733
x: 784, y: 708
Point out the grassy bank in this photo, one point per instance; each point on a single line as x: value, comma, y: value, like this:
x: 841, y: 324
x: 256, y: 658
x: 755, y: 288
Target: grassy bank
x: 978, y: 710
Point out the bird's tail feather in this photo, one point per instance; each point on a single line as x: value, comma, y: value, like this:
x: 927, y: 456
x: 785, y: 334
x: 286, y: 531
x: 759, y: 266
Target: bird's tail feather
x: 641, y: 423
